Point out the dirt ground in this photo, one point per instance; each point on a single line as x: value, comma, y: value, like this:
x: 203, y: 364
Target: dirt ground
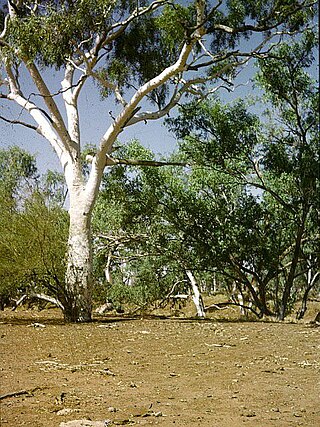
x: 158, y: 371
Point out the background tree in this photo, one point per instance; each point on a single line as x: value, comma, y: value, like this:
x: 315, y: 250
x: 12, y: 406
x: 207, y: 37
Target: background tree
x: 291, y: 151
x: 33, y: 231
x: 17, y: 175
x: 171, y: 237
x: 18, y: 172
x: 280, y: 160
x: 121, y: 47
x: 206, y: 217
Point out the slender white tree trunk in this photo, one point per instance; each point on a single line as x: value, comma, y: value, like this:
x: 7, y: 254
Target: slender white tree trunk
x: 107, y: 270
x: 197, y: 298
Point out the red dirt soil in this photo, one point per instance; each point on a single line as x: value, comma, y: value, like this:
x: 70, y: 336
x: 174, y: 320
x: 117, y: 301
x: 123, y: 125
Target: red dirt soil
x: 153, y: 371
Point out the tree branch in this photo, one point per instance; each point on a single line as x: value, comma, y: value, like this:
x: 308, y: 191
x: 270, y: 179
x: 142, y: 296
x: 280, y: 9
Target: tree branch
x: 111, y: 161
x: 264, y: 186
x: 136, y: 14
x: 98, y: 162
x: 4, y: 31
x: 58, y: 121
x: 40, y: 296
x: 19, y: 122
x: 264, y: 28
x: 187, y: 86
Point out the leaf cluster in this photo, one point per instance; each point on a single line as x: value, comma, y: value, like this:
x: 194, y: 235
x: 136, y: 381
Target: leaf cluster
x: 214, y: 134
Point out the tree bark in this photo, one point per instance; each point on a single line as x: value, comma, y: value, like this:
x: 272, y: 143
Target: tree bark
x: 78, y: 304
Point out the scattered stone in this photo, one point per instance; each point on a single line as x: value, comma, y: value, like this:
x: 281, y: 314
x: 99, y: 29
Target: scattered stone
x: 36, y: 325
x: 107, y: 371
x: 67, y: 411
x: 123, y: 422
x: 249, y: 414
x: 112, y: 409
x: 60, y: 399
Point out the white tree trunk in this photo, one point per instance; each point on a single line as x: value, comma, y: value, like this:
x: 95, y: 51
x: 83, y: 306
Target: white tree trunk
x: 78, y: 306
x: 197, y: 298
x: 107, y: 270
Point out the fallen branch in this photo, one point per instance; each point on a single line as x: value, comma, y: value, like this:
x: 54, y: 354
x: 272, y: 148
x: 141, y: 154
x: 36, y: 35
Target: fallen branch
x: 13, y: 394
x: 19, y: 302
x: 18, y: 393
x: 223, y: 305
x: 219, y: 306
x: 141, y: 307
x: 166, y: 298
x: 39, y: 296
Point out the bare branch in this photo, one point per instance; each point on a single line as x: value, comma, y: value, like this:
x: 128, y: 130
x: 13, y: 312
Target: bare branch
x: 132, y: 107
x: 18, y: 122
x: 40, y: 296
x: 154, y: 115
x: 82, y: 70
x: 112, y: 161
x: 4, y: 31
x: 14, y: 394
x: 118, y: 28
x: 165, y: 300
x: 136, y: 14
x: 236, y: 54
x: 189, y: 86
x: 110, y: 86
x: 58, y: 121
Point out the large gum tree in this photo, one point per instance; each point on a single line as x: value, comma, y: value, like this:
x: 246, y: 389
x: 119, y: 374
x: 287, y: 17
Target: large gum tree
x: 145, y: 56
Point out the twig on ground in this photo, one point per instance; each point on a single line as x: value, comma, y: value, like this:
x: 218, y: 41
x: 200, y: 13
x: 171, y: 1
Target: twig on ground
x: 18, y: 393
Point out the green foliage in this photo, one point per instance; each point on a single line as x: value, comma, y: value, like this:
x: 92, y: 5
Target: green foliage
x: 153, y: 224
x: 174, y: 24
x: 17, y: 169
x: 53, y: 188
x: 33, y: 227
x: 289, y: 76
x: 216, y: 134
x: 292, y: 148
x: 32, y: 248
x: 207, y: 217
x: 53, y: 32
